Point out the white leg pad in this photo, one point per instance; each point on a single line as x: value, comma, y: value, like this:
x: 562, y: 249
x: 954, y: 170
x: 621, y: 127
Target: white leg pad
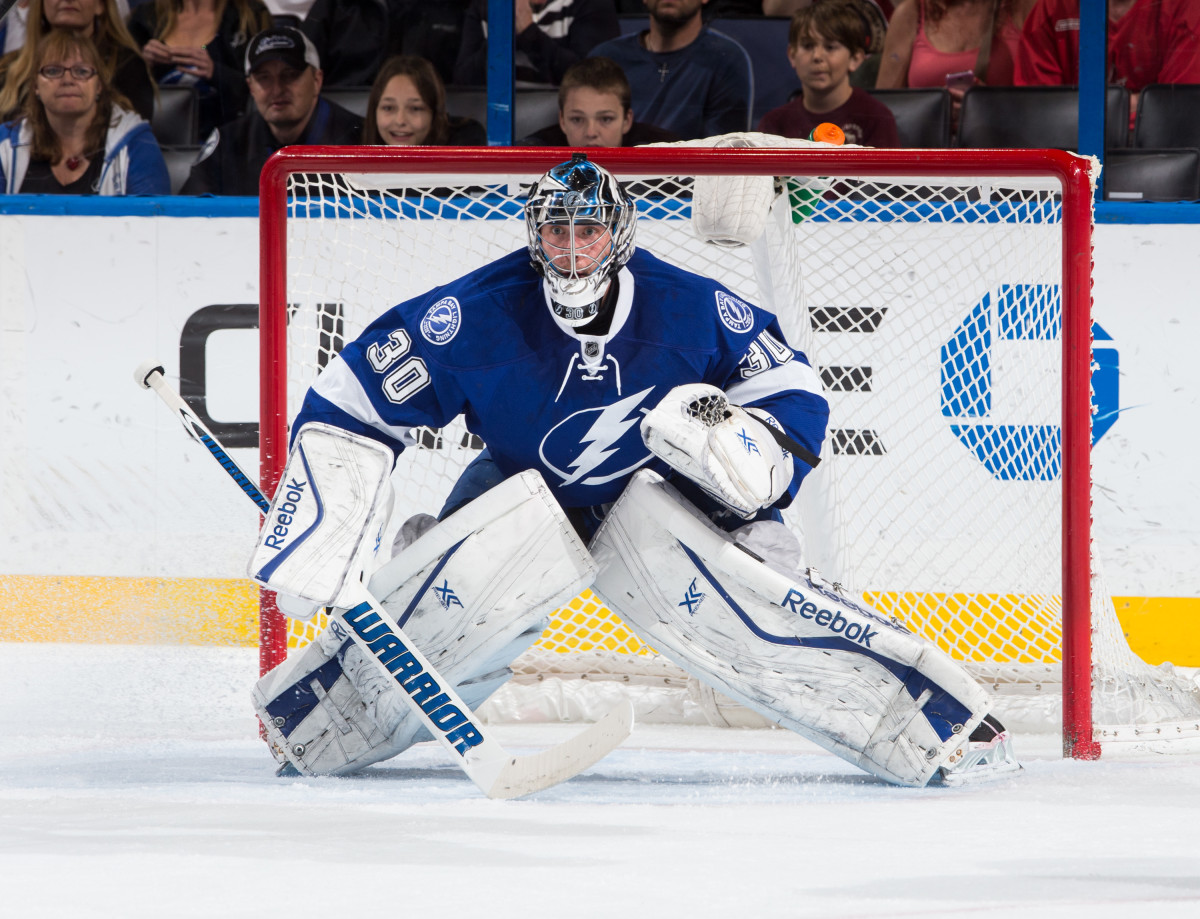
x: 788, y: 647
x: 472, y: 593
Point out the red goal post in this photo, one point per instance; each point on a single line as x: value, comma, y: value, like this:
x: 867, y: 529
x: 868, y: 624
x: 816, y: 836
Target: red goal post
x: 1074, y: 176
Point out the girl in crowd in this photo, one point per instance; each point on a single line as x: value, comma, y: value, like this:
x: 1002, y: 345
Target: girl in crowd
x: 407, y: 105
x: 76, y: 136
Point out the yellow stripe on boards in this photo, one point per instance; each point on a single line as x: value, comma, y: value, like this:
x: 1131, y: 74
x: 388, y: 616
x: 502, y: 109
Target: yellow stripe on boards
x: 216, y: 611
x: 108, y: 610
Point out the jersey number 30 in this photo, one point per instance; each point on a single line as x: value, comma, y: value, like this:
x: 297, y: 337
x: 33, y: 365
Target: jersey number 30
x: 402, y: 383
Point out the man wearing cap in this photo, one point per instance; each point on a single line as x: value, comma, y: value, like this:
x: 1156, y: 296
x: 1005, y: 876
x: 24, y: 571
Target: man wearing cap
x: 284, y: 74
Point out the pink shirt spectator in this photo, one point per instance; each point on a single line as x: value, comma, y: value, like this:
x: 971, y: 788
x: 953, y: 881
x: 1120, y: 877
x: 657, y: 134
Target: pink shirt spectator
x: 1156, y: 41
x: 928, y: 66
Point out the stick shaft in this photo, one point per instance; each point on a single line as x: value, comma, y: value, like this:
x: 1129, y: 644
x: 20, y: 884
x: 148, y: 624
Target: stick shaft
x: 198, y: 432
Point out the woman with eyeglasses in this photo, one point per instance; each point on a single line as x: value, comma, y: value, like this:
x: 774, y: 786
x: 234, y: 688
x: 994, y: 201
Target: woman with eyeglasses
x: 99, y: 20
x: 75, y: 134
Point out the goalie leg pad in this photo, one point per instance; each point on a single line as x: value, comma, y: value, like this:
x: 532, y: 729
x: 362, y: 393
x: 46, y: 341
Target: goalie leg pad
x: 314, y: 719
x: 788, y: 647
x: 472, y: 593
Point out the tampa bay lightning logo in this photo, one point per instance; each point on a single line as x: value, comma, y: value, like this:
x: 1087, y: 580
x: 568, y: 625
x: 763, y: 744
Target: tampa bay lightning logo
x: 735, y: 313
x: 597, y: 445
x: 441, y: 321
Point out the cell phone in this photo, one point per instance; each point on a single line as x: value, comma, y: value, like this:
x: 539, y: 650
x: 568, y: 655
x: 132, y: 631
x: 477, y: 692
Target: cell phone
x: 960, y: 80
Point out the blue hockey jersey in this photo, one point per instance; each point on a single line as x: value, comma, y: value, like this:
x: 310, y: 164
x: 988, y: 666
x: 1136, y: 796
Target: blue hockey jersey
x: 543, y: 396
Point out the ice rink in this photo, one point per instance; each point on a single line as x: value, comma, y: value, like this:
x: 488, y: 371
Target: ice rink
x: 133, y: 784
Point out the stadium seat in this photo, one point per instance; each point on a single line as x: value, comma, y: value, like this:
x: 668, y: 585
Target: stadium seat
x: 176, y: 117
x: 179, y: 164
x: 535, y: 107
x: 352, y: 98
x: 467, y: 102
x: 922, y: 115
x: 534, y: 110
x: 1152, y: 175
x: 1168, y: 116
x: 1034, y: 117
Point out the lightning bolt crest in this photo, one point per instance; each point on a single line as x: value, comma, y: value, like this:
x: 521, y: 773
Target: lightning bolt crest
x: 608, y: 428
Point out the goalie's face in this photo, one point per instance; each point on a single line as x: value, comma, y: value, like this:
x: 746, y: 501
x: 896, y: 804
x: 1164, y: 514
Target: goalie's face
x: 575, y: 250
x: 579, y: 224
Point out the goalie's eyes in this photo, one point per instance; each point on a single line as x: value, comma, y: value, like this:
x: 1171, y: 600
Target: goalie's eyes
x: 585, y: 235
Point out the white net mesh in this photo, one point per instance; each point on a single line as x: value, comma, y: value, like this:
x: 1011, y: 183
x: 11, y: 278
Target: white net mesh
x: 932, y: 311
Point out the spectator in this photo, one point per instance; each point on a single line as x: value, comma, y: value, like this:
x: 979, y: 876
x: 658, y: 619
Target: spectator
x: 432, y: 29
x: 875, y: 14
x: 12, y: 27
x: 1149, y: 41
x: 788, y: 7
x: 201, y: 44
x: 952, y: 43
x: 75, y: 135
x: 350, y: 37
x: 284, y: 75
x: 595, y: 110
x: 101, y: 21
x: 747, y: 8
x: 551, y: 35
x: 685, y: 79
x: 826, y: 42
x: 408, y: 106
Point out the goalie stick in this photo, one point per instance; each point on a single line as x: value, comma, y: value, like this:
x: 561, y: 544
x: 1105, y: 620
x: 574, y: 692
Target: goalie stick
x: 498, y: 773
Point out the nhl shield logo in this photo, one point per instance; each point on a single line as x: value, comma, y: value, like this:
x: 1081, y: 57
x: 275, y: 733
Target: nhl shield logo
x: 736, y: 314
x: 441, y: 321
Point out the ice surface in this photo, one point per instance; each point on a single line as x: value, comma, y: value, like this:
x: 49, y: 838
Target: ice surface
x: 133, y: 784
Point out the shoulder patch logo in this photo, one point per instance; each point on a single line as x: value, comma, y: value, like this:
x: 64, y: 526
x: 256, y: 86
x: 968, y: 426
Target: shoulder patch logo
x: 441, y: 321
x: 736, y: 314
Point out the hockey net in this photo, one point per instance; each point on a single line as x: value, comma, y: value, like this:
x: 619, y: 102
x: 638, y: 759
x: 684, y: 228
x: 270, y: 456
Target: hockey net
x: 945, y: 301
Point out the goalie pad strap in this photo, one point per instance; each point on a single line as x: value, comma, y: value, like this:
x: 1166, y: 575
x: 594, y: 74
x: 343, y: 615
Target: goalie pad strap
x: 789, y: 444
x: 785, y: 645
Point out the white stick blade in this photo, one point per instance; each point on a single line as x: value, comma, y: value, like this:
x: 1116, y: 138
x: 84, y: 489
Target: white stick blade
x: 524, y: 775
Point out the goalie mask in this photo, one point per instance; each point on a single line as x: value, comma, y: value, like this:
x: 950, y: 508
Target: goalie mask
x: 580, y: 226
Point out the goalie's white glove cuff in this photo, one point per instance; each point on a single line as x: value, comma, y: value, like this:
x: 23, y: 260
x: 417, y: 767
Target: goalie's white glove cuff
x: 719, y: 446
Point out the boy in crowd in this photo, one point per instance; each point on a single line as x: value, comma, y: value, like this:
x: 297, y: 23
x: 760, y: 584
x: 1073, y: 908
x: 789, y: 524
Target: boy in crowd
x: 594, y: 110
x: 826, y: 43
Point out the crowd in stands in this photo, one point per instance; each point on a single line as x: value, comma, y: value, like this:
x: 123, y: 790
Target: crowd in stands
x: 83, y: 82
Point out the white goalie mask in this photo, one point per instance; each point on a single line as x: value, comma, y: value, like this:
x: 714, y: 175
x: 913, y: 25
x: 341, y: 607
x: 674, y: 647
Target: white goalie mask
x: 580, y: 227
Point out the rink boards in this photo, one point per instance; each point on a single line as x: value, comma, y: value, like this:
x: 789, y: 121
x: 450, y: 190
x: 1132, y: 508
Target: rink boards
x: 116, y: 528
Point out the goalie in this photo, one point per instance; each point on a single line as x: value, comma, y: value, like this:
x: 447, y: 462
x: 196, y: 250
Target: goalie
x: 627, y: 403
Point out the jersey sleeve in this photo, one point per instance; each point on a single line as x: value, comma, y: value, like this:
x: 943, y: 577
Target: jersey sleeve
x: 382, y: 386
